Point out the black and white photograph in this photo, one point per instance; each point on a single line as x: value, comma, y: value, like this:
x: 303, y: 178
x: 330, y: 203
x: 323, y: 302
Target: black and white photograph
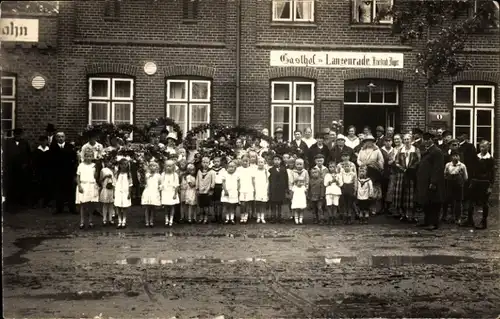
x: 227, y: 159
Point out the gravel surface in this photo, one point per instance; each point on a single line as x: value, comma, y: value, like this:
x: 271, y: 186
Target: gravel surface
x: 384, y: 269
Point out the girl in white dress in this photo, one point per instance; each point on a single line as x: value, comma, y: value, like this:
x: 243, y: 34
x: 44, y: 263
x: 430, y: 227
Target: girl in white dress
x: 262, y: 189
x: 123, y: 191
x: 106, y: 196
x: 151, y: 195
x: 189, y: 199
x: 246, y: 188
x: 230, y: 198
x: 87, y: 191
x: 299, y: 200
x: 169, y: 191
x: 333, y: 191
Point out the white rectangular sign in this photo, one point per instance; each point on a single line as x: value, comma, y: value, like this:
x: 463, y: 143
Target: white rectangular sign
x: 19, y: 30
x: 338, y: 59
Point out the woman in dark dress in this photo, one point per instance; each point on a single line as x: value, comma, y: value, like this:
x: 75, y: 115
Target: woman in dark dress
x: 278, y: 187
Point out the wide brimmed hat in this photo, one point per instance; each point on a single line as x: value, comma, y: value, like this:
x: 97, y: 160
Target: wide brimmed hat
x: 340, y: 137
x: 172, y: 135
x: 50, y: 128
x: 427, y: 136
x: 368, y: 137
x: 278, y: 130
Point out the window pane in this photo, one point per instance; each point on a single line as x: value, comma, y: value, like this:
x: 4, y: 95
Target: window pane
x: 99, y: 112
x: 177, y: 90
x: 390, y: 97
x: 7, y: 125
x: 303, y: 115
x: 282, y: 9
x: 304, y: 10
x: 281, y: 92
x: 484, y: 96
x: 303, y: 92
x: 177, y: 112
x: 349, y: 97
x: 281, y: 119
x: 483, y: 117
x: 100, y: 88
x: 123, y: 89
x: 199, y: 114
x: 462, y: 117
x: 484, y: 133
x: 459, y: 130
x: 7, y: 87
x: 382, y: 6
x: 377, y: 94
x: 7, y: 108
x: 363, y: 97
x: 199, y: 90
x: 463, y: 95
x: 122, y: 112
x: 363, y: 11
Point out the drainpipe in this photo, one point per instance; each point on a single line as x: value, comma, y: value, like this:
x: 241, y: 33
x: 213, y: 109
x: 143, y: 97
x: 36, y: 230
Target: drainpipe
x: 426, y: 106
x: 238, y: 61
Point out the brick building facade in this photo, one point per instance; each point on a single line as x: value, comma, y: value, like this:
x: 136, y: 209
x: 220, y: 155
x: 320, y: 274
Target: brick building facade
x: 95, y: 57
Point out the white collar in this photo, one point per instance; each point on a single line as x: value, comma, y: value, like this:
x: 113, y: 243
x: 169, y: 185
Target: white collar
x: 62, y: 144
x: 486, y: 156
x: 43, y: 149
x: 405, y: 150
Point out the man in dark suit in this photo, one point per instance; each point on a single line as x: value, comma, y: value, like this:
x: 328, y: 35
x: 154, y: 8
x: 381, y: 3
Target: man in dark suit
x: 50, y: 132
x: 339, y: 148
x: 417, y: 138
x: 469, y: 158
x: 430, y: 182
x: 379, y: 135
x: 319, y: 148
x: 17, y: 170
x: 299, y: 146
x: 64, y: 162
x: 445, y: 141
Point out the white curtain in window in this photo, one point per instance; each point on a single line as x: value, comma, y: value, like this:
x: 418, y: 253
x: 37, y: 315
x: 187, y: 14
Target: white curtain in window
x: 199, y: 90
x: 281, y: 92
x: 123, y: 89
x: 99, y: 112
x: 304, y: 9
x: 122, y: 113
x: 177, y: 90
x: 383, y: 6
x: 303, y: 92
x: 100, y: 88
x: 303, y: 118
x: 177, y: 112
x: 279, y: 8
x: 364, y: 10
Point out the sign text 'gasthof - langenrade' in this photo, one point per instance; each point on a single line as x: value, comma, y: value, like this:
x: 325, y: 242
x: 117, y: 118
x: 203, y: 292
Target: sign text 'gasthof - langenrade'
x: 19, y: 30
x: 338, y: 59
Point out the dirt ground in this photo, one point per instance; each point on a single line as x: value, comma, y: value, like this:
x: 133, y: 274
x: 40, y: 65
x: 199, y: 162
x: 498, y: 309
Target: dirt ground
x: 384, y: 269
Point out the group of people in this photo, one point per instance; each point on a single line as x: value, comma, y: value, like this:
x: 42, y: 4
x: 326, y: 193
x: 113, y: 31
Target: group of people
x: 338, y: 178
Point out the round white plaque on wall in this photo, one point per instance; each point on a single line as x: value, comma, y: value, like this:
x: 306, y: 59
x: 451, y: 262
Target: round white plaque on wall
x: 150, y: 68
x: 38, y: 82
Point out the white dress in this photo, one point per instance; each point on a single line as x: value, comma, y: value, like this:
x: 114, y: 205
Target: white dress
x: 170, y: 183
x: 122, y: 191
x: 246, y: 175
x: 151, y: 193
x: 299, y: 200
x: 231, y: 181
x: 86, y: 172
x: 107, y: 195
x: 261, y: 185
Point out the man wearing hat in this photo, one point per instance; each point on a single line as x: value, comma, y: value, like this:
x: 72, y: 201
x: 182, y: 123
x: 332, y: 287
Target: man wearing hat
x: 339, y: 148
x: 417, y: 138
x: 446, y: 137
x: 278, y: 135
x: 16, y: 177
x: 319, y: 148
x: 50, y: 130
x: 379, y: 134
x: 470, y: 159
x: 430, y: 187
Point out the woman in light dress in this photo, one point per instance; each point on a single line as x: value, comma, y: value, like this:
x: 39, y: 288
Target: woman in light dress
x: 87, y: 192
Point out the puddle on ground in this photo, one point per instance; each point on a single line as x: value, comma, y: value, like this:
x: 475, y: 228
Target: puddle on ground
x: 81, y: 295
x: 204, y: 260
x: 393, y: 261
x: 313, y: 250
x: 25, y: 245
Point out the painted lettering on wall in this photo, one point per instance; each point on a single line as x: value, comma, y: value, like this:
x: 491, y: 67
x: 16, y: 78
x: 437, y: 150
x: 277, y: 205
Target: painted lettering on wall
x: 19, y: 30
x: 338, y: 59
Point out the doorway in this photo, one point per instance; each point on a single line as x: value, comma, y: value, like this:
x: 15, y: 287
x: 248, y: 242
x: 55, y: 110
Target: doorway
x: 372, y: 116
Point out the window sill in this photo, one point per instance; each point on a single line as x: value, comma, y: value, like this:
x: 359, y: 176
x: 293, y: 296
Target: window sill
x: 361, y: 26
x: 190, y: 21
x: 293, y: 24
x: 111, y: 19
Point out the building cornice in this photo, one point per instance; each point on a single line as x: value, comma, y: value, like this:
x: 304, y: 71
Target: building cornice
x: 155, y: 43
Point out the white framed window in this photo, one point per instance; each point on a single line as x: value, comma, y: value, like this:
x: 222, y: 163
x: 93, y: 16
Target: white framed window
x: 292, y: 106
x: 367, y: 11
x: 491, y: 6
x: 364, y: 92
x: 189, y: 103
x: 8, y: 100
x: 293, y: 10
x: 111, y: 100
x: 474, y: 112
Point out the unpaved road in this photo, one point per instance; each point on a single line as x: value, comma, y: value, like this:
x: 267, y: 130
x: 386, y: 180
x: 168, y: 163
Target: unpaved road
x: 384, y: 269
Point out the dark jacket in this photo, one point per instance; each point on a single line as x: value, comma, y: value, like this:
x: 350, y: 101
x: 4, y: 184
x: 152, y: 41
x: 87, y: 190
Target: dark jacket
x: 278, y: 184
x: 468, y: 156
x: 301, y: 150
x: 315, y: 150
x: 430, y: 171
x: 484, y: 170
x: 64, y: 162
x: 336, y: 153
x: 379, y: 141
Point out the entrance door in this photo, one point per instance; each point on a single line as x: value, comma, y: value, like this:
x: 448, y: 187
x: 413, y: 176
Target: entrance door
x: 372, y: 116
